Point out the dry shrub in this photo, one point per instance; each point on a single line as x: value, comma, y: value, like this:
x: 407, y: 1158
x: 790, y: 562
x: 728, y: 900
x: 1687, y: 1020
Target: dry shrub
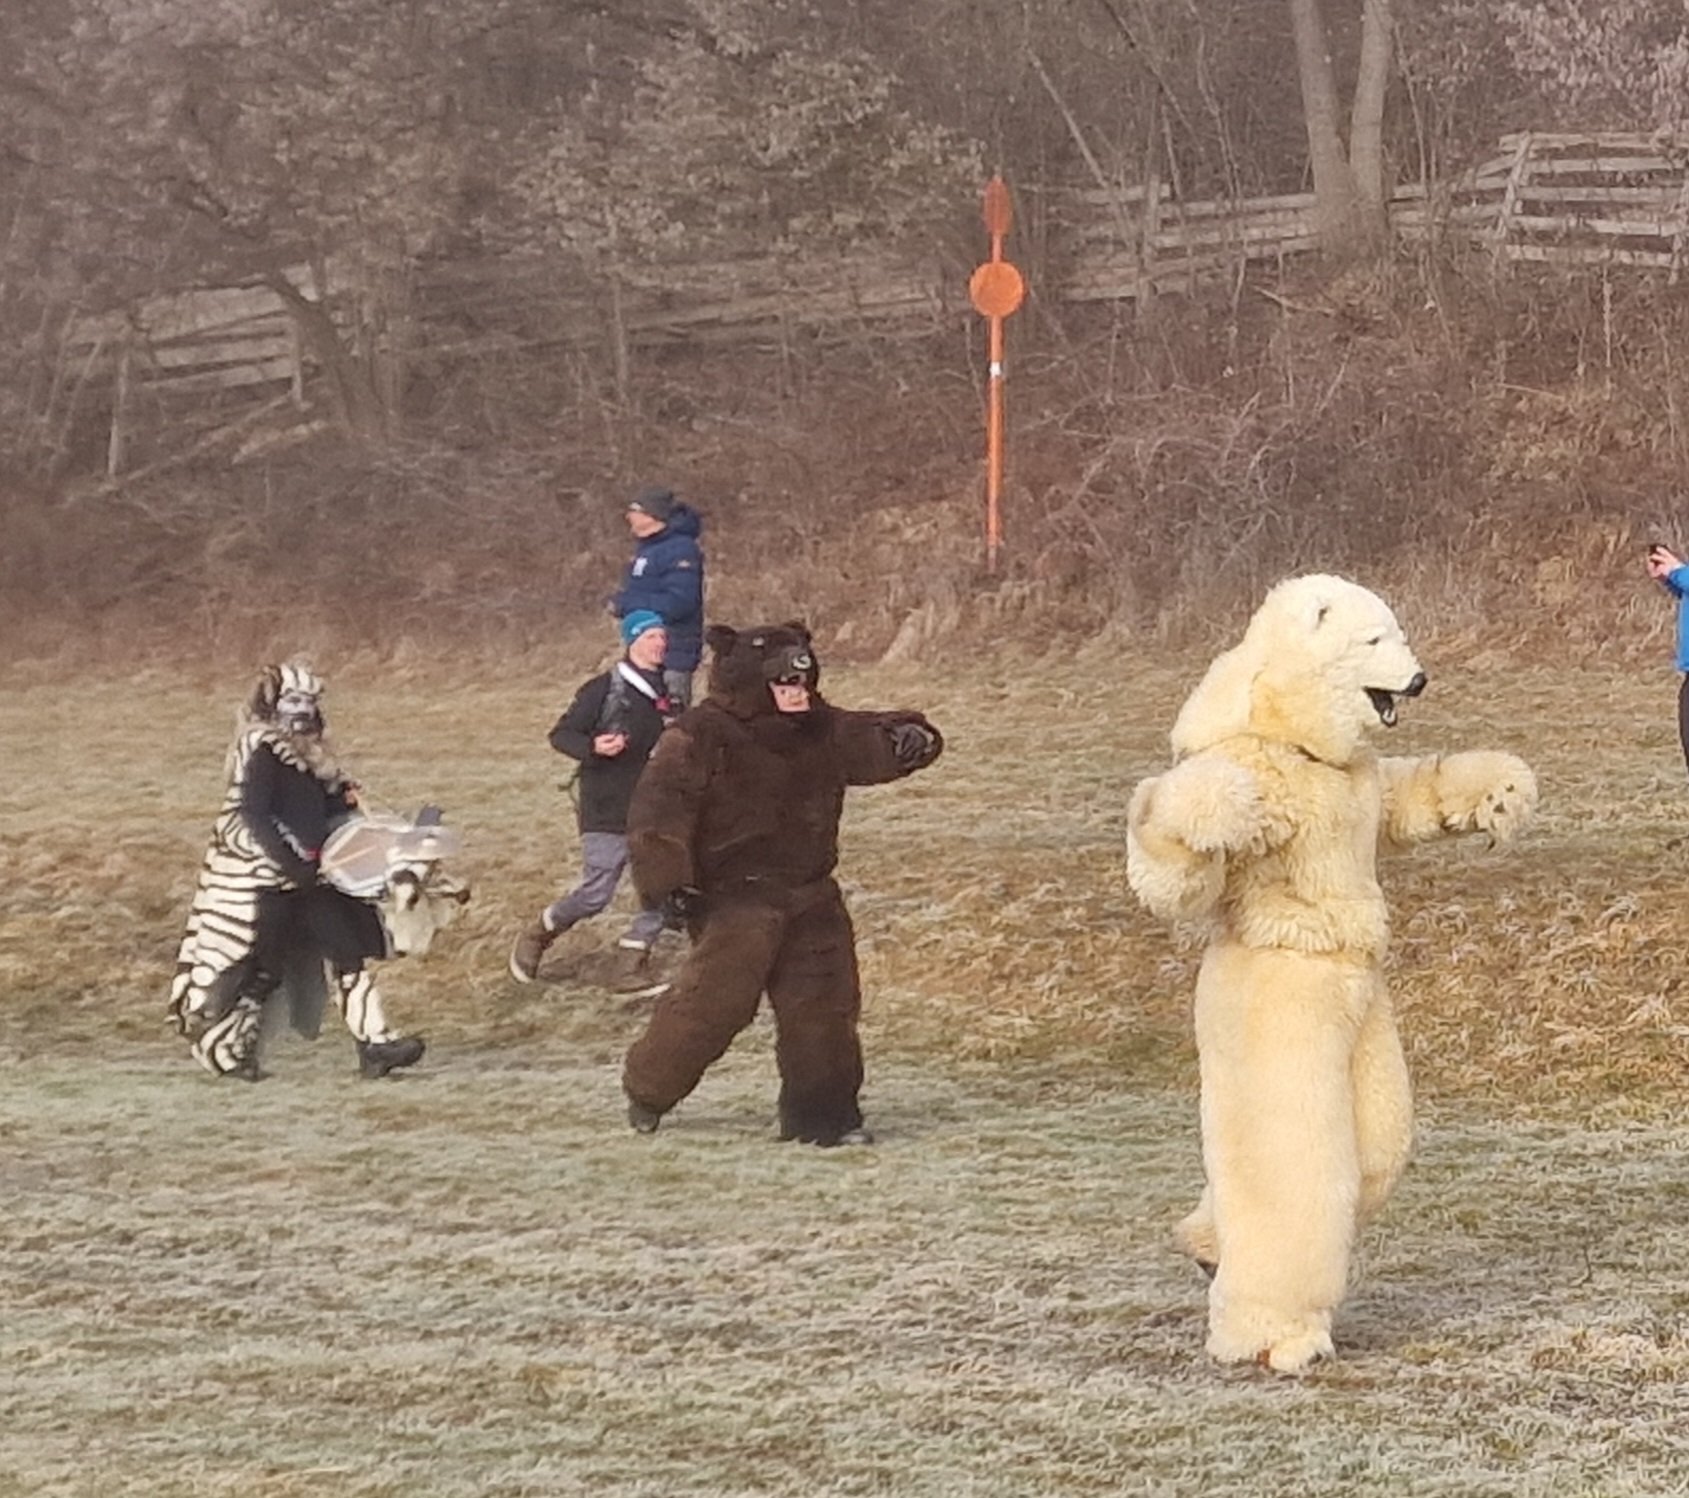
x: 1491, y: 452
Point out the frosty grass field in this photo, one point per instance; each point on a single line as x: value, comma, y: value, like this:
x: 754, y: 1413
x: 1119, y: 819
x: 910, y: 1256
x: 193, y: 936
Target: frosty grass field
x: 477, y: 1281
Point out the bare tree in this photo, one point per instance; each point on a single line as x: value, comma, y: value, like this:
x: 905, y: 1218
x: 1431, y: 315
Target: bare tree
x: 1348, y: 183
x: 1366, y: 123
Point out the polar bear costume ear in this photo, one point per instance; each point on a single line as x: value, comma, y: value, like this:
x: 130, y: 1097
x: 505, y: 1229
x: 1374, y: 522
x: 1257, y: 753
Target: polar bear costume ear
x: 1299, y: 606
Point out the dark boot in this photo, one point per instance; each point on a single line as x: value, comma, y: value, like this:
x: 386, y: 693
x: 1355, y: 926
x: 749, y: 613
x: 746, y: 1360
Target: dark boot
x: 530, y: 947
x: 378, y: 1057
x: 248, y: 1070
x: 828, y: 1126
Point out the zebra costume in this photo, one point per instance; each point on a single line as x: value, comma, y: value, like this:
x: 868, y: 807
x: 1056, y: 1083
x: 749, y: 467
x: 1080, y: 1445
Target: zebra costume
x: 260, y: 923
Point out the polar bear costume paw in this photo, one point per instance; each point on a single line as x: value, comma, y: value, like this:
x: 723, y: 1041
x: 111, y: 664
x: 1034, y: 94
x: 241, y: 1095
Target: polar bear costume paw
x: 1196, y: 1237
x: 1294, y: 1349
x: 1180, y: 827
x: 1484, y: 790
x: 1208, y: 803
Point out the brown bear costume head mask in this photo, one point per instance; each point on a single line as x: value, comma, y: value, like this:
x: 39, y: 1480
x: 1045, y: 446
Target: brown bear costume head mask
x: 767, y: 671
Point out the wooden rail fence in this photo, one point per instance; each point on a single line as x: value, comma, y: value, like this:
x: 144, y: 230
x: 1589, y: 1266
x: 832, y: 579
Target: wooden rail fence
x: 1591, y: 199
x: 1607, y: 199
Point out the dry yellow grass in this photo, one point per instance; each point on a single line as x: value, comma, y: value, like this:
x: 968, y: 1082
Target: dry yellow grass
x: 477, y: 1281
x: 989, y: 893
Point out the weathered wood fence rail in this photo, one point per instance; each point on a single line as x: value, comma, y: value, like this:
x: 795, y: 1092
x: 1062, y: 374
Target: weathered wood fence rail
x: 1610, y: 199
x: 1600, y: 199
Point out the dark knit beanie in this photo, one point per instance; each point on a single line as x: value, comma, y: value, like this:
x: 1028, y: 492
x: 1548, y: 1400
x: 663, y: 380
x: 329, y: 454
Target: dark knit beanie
x: 655, y: 501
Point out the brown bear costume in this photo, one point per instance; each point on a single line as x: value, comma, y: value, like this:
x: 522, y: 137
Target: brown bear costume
x: 736, y: 821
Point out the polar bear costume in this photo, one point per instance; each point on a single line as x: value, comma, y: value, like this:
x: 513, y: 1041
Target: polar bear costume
x: 1267, y: 829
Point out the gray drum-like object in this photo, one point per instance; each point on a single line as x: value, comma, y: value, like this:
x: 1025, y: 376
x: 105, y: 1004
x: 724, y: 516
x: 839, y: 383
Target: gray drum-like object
x: 361, y: 854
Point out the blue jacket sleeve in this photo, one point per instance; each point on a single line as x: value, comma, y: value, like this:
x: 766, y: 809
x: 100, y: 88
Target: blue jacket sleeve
x: 626, y: 598
x: 671, y: 585
x: 1678, y: 580
x: 680, y: 588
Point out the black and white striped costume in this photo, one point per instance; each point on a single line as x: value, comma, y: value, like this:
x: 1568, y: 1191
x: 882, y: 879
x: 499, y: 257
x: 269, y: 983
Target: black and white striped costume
x: 260, y: 923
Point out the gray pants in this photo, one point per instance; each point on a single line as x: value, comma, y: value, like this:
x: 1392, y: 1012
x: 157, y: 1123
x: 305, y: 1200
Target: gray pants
x: 604, y: 856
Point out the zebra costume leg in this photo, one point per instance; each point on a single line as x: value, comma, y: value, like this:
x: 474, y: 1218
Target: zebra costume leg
x: 229, y: 1046
x: 381, y: 1050
x: 227, y: 1021
x: 216, y: 955
x: 360, y: 1005
x: 218, y: 991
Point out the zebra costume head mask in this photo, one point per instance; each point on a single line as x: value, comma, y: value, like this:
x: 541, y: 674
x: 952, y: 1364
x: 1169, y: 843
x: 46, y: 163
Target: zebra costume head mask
x: 290, y: 696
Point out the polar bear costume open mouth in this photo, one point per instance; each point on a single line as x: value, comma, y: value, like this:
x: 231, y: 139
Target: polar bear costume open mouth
x: 1384, y: 701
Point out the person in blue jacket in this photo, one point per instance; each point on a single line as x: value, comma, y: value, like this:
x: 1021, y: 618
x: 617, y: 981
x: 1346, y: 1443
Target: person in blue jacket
x: 666, y: 576
x: 1666, y: 566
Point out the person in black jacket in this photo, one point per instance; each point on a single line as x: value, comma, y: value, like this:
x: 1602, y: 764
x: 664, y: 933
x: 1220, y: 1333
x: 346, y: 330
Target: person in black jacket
x: 611, y: 727
x: 666, y: 576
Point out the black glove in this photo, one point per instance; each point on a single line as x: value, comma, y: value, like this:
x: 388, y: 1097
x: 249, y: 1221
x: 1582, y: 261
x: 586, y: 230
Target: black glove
x: 914, y: 745
x: 682, y: 907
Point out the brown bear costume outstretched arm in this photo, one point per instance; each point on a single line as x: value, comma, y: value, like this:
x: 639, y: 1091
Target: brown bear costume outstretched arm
x: 663, y: 816
x: 873, y: 748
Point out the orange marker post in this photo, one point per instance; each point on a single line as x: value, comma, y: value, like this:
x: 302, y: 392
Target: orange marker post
x: 996, y: 290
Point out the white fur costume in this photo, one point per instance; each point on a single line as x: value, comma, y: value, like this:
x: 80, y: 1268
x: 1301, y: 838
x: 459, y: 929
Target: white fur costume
x: 1267, y: 829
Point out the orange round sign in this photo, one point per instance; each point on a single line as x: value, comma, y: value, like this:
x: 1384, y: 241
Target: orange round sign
x: 996, y: 288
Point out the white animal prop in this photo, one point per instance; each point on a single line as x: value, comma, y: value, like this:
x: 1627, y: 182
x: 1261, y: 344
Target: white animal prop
x: 397, y: 864
x: 1266, y: 831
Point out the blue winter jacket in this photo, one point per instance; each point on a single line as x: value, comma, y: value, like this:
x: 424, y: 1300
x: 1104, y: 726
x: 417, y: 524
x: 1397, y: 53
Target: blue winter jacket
x: 1677, y: 580
x: 667, y: 576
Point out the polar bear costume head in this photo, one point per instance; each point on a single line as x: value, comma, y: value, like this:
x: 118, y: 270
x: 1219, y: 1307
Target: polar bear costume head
x: 1321, y: 663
